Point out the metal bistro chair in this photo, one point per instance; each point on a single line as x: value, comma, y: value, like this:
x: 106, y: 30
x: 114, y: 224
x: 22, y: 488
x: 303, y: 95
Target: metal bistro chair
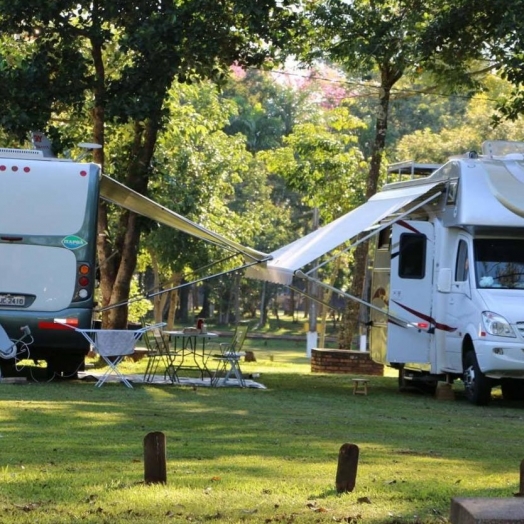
x: 167, y: 354
x: 229, y: 360
x: 158, y: 352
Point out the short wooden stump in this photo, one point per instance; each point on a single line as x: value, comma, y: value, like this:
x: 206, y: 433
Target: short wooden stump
x: 360, y: 386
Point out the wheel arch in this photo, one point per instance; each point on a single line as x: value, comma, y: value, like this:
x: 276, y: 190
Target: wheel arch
x: 467, y: 346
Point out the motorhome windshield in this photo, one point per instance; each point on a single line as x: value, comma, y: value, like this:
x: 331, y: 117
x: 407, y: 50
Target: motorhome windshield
x: 499, y: 263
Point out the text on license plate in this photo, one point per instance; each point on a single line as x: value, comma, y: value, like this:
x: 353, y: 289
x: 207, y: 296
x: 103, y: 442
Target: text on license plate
x: 12, y: 300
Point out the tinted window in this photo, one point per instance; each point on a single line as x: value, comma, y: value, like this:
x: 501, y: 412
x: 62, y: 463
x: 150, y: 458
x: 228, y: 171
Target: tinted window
x: 462, y: 263
x: 499, y: 263
x: 412, y: 256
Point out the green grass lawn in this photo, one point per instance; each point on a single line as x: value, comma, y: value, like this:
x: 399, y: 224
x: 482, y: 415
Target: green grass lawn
x: 72, y: 452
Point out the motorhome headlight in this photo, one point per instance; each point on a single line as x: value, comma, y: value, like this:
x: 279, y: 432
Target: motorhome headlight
x: 496, y: 325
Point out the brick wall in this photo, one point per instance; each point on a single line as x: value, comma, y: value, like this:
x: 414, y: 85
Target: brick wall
x: 344, y: 361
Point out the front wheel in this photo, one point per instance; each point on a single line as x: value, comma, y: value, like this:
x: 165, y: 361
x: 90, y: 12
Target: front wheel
x: 477, y: 386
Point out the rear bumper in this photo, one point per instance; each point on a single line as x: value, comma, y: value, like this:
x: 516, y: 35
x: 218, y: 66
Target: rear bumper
x: 49, y: 336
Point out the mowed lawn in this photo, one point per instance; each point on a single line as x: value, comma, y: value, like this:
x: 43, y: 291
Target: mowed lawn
x: 71, y: 452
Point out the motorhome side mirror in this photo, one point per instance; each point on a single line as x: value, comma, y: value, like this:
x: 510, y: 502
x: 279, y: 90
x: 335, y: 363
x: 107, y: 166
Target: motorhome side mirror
x: 444, y: 280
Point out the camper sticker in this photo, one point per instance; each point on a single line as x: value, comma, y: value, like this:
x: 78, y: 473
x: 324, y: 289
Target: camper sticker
x: 73, y: 242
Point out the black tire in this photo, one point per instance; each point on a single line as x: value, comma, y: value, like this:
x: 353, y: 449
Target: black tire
x: 8, y: 368
x: 512, y: 389
x: 476, y: 385
x: 65, y: 368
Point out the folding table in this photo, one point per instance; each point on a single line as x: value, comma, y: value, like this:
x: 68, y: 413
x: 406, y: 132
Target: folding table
x: 113, y: 345
x: 190, y: 347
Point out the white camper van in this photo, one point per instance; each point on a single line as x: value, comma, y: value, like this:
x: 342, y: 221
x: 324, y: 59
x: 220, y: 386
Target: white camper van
x: 447, y: 293
x: 48, y: 216
x: 48, y: 235
x: 453, y: 269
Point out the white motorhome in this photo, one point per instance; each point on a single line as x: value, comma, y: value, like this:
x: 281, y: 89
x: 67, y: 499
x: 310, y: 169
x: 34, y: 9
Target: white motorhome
x: 447, y: 293
x: 453, y: 269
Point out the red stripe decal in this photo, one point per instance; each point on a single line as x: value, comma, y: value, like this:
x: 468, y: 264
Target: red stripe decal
x: 408, y: 226
x: 438, y: 325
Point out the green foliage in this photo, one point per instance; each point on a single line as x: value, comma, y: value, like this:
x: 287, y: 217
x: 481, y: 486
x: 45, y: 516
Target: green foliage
x: 138, y: 306
x: 464, y: 134
x: 194, y: 166
x: 475, y: 35
x: 321, y: 161
x: 268, y: 110
x: 115, y: 64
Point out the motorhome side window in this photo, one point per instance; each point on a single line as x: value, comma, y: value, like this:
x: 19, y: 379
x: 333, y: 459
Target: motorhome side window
x: 412, y: 256
x: 462, y: 263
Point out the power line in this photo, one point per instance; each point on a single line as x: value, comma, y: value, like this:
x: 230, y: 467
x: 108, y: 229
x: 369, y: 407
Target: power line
x: 410, y: 92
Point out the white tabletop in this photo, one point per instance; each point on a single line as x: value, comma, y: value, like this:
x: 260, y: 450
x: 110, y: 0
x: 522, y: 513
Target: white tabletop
x: 190, y: 334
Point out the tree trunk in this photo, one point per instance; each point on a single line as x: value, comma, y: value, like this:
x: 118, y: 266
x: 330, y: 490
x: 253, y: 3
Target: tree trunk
x: 183, y: 304
x: 206, y: 304
x: 351, y: 321
x: 263, y: 308
x: 118, y: 255
x: 173, y: 303
x: 236, y: 297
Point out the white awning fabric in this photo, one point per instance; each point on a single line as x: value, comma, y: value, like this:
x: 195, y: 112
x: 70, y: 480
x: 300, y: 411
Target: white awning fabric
x: 119, y: 194
x: 288, y: 259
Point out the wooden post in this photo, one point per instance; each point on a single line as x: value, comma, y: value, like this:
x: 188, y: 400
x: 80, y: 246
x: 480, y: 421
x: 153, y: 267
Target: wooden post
x: 155, y: 458
x: 347, y: 468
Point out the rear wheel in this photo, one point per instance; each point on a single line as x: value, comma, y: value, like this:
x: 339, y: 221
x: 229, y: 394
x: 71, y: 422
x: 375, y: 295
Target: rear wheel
x: 65, y: 367
x: 477, y: 386
x: 512, y: 389
x: 403, y: 384
x: 415, y: 381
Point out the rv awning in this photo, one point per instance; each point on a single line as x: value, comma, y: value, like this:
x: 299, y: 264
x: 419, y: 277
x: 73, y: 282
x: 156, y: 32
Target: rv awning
x: 119, y: 194
x: 288, y: 259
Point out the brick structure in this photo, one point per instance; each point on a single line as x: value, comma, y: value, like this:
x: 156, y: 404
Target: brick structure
x: 344, y: 361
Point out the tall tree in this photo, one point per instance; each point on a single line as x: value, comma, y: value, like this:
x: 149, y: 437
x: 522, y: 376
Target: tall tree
x: 489, y: 34
x: 373, y: 39
x: 116, y: 61
x: 466, y: 133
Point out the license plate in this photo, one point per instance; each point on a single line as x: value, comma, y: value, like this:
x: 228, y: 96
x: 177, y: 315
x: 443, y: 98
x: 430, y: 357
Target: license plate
x: 12, y: 300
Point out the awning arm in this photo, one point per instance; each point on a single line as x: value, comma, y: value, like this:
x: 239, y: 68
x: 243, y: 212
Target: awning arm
x: 398, y: 320
x: 374, y: 232
x: 185, y: 284
x: 315, y: 299
x: 243, y: 266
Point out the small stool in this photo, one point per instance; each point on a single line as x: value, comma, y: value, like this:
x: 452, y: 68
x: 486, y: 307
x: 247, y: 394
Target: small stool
x: 360, y: 386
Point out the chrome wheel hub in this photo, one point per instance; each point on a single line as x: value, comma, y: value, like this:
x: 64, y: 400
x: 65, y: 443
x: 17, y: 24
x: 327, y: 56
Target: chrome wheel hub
x: 469, y: 377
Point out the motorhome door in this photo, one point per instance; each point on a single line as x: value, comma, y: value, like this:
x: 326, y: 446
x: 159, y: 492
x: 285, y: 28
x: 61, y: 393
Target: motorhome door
x: 411, y: 286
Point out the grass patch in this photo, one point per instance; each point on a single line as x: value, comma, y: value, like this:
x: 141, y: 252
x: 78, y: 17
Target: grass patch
x: 72, y: 452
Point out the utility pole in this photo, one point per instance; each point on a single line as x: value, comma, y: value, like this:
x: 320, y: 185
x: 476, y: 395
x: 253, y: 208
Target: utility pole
x: 312, y: 335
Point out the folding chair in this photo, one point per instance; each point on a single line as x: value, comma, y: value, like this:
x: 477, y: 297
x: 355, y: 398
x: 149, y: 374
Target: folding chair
x: 155, y: 356
x: 113, y: 345
x: 13, y: 349
x: 229, y: 360
x: 159, y: 352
